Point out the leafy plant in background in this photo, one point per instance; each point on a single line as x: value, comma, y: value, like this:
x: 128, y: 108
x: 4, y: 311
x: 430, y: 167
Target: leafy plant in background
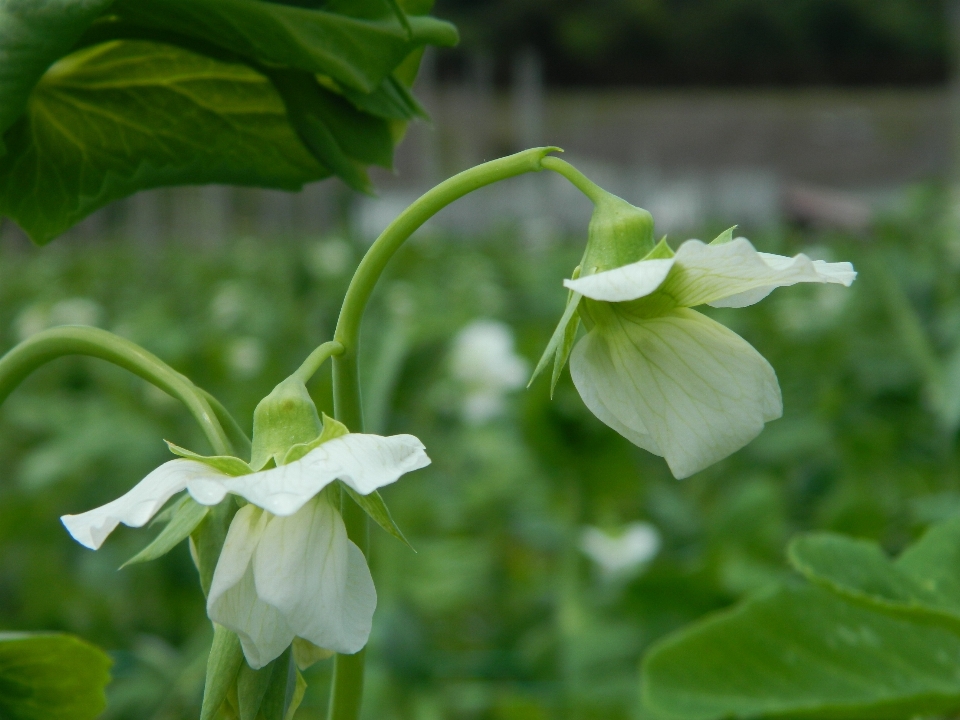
x: 277, y: 524
x: 102, y: 98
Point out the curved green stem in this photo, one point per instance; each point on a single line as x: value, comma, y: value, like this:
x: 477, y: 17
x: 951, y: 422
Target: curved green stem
x: 579, y: 180
x: 347, y: 690
x: 80, y: 340
x: 315, y: 359
x: 236, y: 434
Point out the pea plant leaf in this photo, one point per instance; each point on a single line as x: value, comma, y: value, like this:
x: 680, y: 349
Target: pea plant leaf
x: 803, y: 652
x: 868, y: 637
x: 922, y: 582
x: 124, y: 116
x: 100, y: 99
x: 33, y: 35
x: 357, y: 52
x: 50, y: 676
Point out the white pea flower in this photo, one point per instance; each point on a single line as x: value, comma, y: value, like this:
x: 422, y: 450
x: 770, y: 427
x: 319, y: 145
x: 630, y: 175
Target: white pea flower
x: 666, y: 377
x: 623, y: 553
x: 484, y: 360
x: 287, y: 568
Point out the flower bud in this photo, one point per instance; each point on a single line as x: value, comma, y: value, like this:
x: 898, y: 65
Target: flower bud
x: 284, y: 418
x: 619, y: 234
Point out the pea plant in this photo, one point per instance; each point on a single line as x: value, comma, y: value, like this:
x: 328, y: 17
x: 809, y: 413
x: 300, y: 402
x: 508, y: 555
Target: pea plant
x: 102, y: 98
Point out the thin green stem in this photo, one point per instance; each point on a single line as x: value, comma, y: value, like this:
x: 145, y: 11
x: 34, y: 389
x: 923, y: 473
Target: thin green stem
x: 241, y: 443
x: 316, y: 359
x: 80, y: 340
x: 347, y: 691
x: 579, y: 180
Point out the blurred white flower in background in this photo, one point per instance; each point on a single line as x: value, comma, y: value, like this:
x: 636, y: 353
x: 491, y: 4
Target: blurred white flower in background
x: 624, y: 553
x: 245, y: 357
x: 70, y: 311
x: 328, y: 258
x: 229, y: 305
x: 484, y: 360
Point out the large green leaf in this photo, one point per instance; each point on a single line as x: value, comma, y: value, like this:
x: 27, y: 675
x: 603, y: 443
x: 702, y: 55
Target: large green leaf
x: 120, y: 117
x: 51, y: 677
x: 357, y: 52
x: 924, y: 581
x: 804, y: 652
x: 33, y: 35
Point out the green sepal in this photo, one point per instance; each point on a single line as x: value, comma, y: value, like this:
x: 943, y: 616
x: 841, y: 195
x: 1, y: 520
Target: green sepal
x: 284, y: 418
x: 206, y: 541
x: 724, y: 237
x: 279, y: 689
x: 305, y: 653
x: 187, y: 515
x: 262, y: 693
x: 561, y: 342
x: 46, y: 676
x: 377, y: 509
x: 299, y: 690
x: 662, y: 251
x: 223, y: 665
x: 619, y: 234
x: 226, y: 464
x: 332, y: 429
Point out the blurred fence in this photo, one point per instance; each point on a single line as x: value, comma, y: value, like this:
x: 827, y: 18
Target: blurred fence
x: 828, y: 157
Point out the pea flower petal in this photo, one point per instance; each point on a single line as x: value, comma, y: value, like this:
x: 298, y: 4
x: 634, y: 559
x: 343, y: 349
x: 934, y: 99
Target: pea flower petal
x: 629, y: 282
x: 678, y: 385
x: 295, y: 576
x: 363, y: 462
x: 733, y: 274
x: 136, y: 507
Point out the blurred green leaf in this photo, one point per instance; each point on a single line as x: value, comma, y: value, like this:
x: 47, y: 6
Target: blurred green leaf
x: 803, y: 652
x: 51, y: 677
x: 923, y: 581
x: 120, y: 117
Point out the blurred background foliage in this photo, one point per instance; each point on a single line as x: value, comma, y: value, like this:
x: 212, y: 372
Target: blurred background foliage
x: 506, y: 611
x: 709, y: 42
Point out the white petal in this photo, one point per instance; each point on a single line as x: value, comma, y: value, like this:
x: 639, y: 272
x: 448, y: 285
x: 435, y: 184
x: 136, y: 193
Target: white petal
x: 735, y: 275
x: 596, y: 379
x: 364, y: 462
x: 623, y: 283
x: 135, y: 508
x: 233, y: 601
x: 700, y: 390
x: 307, y: 568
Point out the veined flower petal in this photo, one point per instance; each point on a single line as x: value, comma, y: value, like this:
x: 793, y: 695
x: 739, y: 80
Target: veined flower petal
x: 306, y: 567
x: 136, y: 507
x: 364, y: 462
x: 628, y: 282
x: 734, y: 274
x: 233, y: 600
x: 696, y: 388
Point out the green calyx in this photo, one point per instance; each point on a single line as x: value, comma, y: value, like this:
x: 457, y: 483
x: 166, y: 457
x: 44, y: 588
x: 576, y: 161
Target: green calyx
x: 284, y: 418
x: 619, y: 234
